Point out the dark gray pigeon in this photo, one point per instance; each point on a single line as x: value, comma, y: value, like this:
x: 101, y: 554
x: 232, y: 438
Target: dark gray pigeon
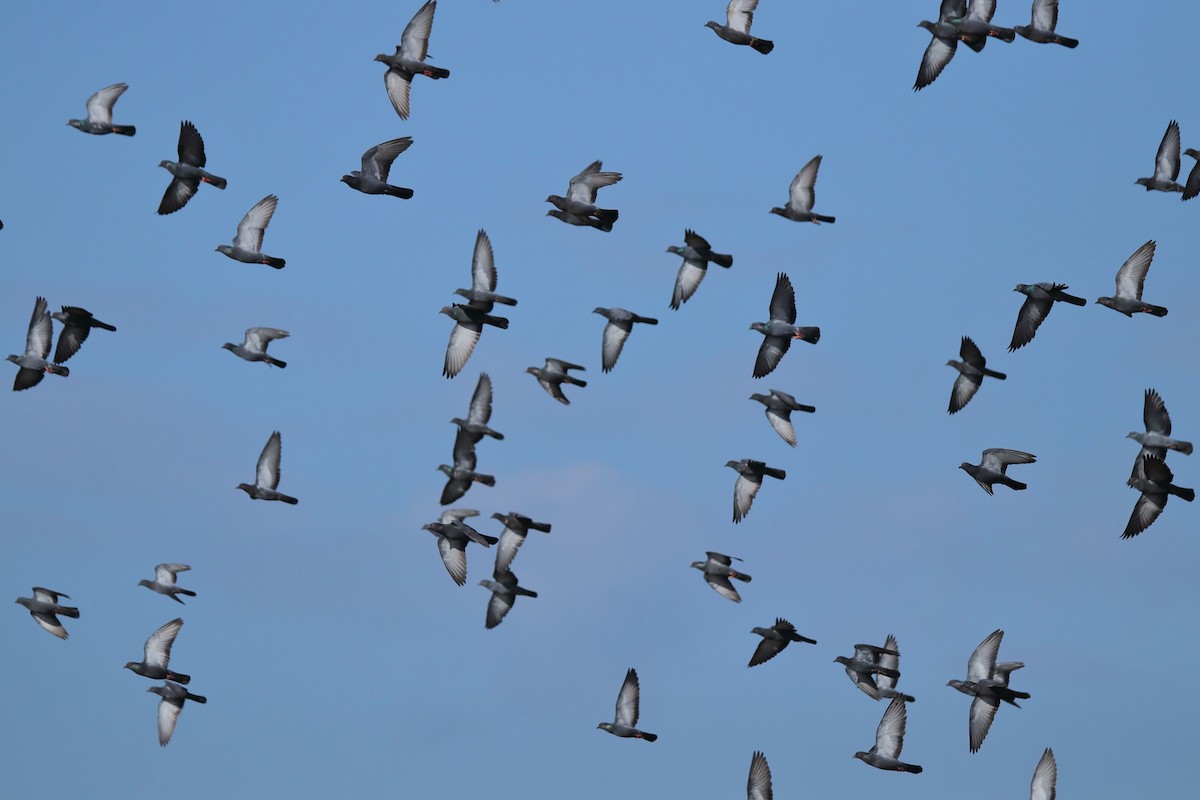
x: 266, y: 474
x: 971, y: 371
x: 376, y: 164
x: 247, y: 243
x: 1131, y: 278
x: 758, y: 785
x: 780, y: 406
x: 77, y: 324
x: 164, y: 581
x: 717, y: 572
x: 1192, y: 187
x: 987, y: 683
x: 99, y: 113
x: 475, y: 426
x: 620, y: 325
x: 975, y: 28
x: 1039, y: 299
x: 865, y: 664
x: 581, y: 195
x: 749, y: 481
x: 889, y: 659
x: 575, y: 219
x: 991, y: 469
x: 739, y: 15
x: 1166, y: 163
x: 943, y: 44
x: 187, y: 172
x: 254, y: 345
x: 775, y: 639
x: 33, y: 364
x: 627, y: 711
x: 801, y: 196
x: 696, y: 256
x: 1045, y: 775
x: 554, y: 375
x: 462, y: 475
x: 44, y: 608
x: 453, y: 535
x: 173, y: 697
x: 1153, y: 479
x: 516, y: 527
x: 409, y: 59
x: 482, y: 294
x: 468, y: 327
x: 1156, y: 441
x: 1043, y: 19
x: 889, y: 741
x: 505, y: 590
x: 780, y: 329
x: 156, y: 658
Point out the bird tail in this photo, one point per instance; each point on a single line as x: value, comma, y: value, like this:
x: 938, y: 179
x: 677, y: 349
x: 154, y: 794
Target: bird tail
x: 1183, y: 447
x: 288, y: 499
x: 486, y: 480
x: 58, y: 369
x: 271, y: 261
x: 721, y: 259
x: 499, y: 322
x: 124, y: 130
x: 180, y: 678
x: 908, y: 698
x: 647, y: 320
x: 508, y: 301
x: 741, y: 576
x: 1012, y: 484
x: 1072, y: 299
x: 573, y: 380
x: 795, y: 637
x: 215, y: 180
x: 991, y: 373
x: 649, y: 737
x: 398, y: 191
x: 1003, y: 34
x: 492, y: 539
x: 67, y: 611
x: 1187, y: 494
x: 196, y: 698
x: 915, y: 769
x: 435, y: 72
x: 275, y: 362
x: 775, y: 473
x: 763, y: 46
x: 544, y: 527
x: 606, y: 215
x: 823, y: 218
x: 888, y: 671
x: 185, y: 592
x: 98, y: 324
x: 1066, y: 41
x: 1157, y: 311
x: 810, y: 335
x: 499, y: 437
x: 525, y: 592
x: 809, y: 409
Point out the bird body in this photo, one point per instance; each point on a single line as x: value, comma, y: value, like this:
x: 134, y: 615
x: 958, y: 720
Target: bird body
x: 1131, y: 279
x: 453, y: 535
x: 516, y: 528
x: 971, y: 372
x: 885, y: 681
x: 187, y: 172
x: 581, y: 196
x: 554, y: 375
x: 1043, y: 20
x: 775, y: 639
x: 697, y: 254
x: 173, y: 697
x: 739, y: 15
x: 156, y: 659
x: 505, y: 590
x: 1156, y: 441
x: 475, y: 426
x: 987, y: 682
x: 749, y: 481
x: 376, y: 165
x: 99, y: 113
x: 254, y: 345
x: 991, y: 468
x: 465, y: 334
x: 580, y: 221
x: 266, y: 474
x: 718, y: 569
x: 409, y: 59
x: 77, y: 324
x: 1166, y: 163
x: 1039, y: 299
x: 33, y: 364
x: 620, y: 324
x: 44, y: 609
x: 779, y: 408
x: 627, y: 711
x: 1153, y: 478
x: 247, y: 244
x: 164, y: 581
x: 482, y: 294
x: 889, y: 741
x: 781, y: 328
x: 801, y: 196
x: 865, y: 664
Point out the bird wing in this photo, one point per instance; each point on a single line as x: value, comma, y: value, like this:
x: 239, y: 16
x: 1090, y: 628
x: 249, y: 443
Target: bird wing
x: 889, y: 736
x: 1145, y: 511
x: 583, y: 187
x: 1046, y: 773
x: 721, y: 558
x: 47, y: 595
x: 266, y: 475
x: 506, y: 549
x: 983, y: 711
x: 694, y: 240
x: 783, y: 426
x: 766, y: 650
x: 168, y: 714
x: 414, y: 42
x: 770, y: 352
x: 398, y: 82
x: 562, y: 366
x: 483, y: 264
x: 49, y: 623
x: 464, y: 451
x: 41, y: 330
x: 1154, y: 414
x: 982, y: 10
x: 998, y: 458
x: 1166, y: 161
x: 457, y: 515
x: 165, y: 573
x: 158, y: 646
x: 377, y: 162
x: 70, y: 339
x: 758, y: 785
x: 739, y: 14
x: 615, y: 335
x: 1032, y: 312
x: 937, y: 56
x: 178, y: 192
x: 252, y: 227
x: 723, y: 587
x: 100, y: 105
x: 454, y: 556
x: 499, y: 605
x: 627, y: 700
x: 257, y: 339
x: 783, y: 299
x: 191, y: 146
x: 983, y: 659
x: 481, y: 401
x: 1132, y: 274
x: 968, y: 351
x: 744, y: 491
x: 463, y: 338
x: 691, y: 273
x: 952, y: 9
x: 964, y: 389
x: 800, y: 194
x: 887, y: 661
x: 1045, y: 14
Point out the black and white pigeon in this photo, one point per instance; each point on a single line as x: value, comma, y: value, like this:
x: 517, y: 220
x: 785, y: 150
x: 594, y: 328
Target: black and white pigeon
x: 247, y: 242
x: 865, y: 664
x: 44, y: 609
x: 468, y: 327
x: 452, y: 537
x: 266, y: 474
x: 462, y: 474
x: 516, y: 528
x: 376, y: 164
x: 173, y: 697
x: 739, y: 15
x: 77, y: 324
x: 581, y: 195
x: 156, y: 658
x: 1042, y: 22
x: 188, y: 172
x: 164, y: 581
x: 616, y: 331
x: 1039, y: 299
x: 971, y: 372
x: 696, y: 254
x: 33, y: 364
x: 1045, y: 775
x: 943, y: 44
x: 409, y: 59
x: 889, y: 741
x: 482, y: 294
x: 254, y: 345
x: 801, y: 196
x: 1156, y: 441
x: 987, y: 683
x: 889, y: 659
x: 505, y: 589
x: 991, y: 468
x: 99, y: 113
x: 775, y: 639
x: 780, y: 406
x: 1153, y: 478
x: 781, y: 328
x: 627, y: 711
x: 554, y: 375
x: 1131, y: 278
x: 1166, y: 163
x: 749, y: 481
x: 717, y: 569
x: 475, y: 426
x: 758, y: 785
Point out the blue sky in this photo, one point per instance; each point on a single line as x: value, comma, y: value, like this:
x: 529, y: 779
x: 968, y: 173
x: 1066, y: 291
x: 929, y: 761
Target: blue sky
x: 335, y: 651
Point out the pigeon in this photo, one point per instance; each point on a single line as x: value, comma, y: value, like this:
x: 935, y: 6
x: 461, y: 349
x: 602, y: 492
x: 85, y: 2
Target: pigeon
x: 468, y: 327
x: 889, y: 659
x: 44, y: 608
x: 971, y: 371
x: 516, y: 527
x: 575, y: 219
x: 865, y: 664
x: 749, y: 481
x: 781, y: 328
x: 1039, y: 299
x: 77, y: 324
x: 889, y: 741
x: 173, y: 697
x: 739, y: 15
x: 1156, y: 441
x: 717, y: 572
x: 758, y: 785
x: 1191, y: 188
x: 482, y: 294
x: 943, y: 44
x: 987, y: 682
x: 1131, y: 278
x: 187, y: 172
x: 775, y: 639
x: 696, y: 256
x: 99, y: 113
x: 33, y: 364
x: 164, y: 581
x: 627, y: 711
x: 460, y: 477
x: 409, y: 59
x: 620, y: 324
x: 801, y: 196
x: 1153, y: 479
x: 1045, y: 775
x: 453, y: 535
x: 780, y: 406
x: 554, y: 375
x: 1166, y: 163
x: 247, y: 243
x: 975, y: 28
x: 581, y: 195
x: 475, y: 425
x: 1043, y: 19
x: 254, y: 346
x: 991, y: 469
x: 266, y: 474
x: 505, y: 591
x: 156, y: 660
x: 376, y: 164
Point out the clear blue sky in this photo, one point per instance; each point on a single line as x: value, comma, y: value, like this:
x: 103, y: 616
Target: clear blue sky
x: 338, y: 657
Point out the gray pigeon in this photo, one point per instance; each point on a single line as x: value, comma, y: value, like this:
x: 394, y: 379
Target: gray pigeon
x: 581, y: 195
x: 987, y: 682
x: 482, y: 294
x: 247, y: 243
x: 696, y: 256
x: 971, y: 371
x: 889, y: 741
x: 1043, y: 19
x: 620, y: 325
x: 865, y: 664
x: 254, y: 345
x: 1156, y: 441
x: 266, y: 474
x: 409, y: 59
x: 739, y: 15
x: 749, y: 481
x: 33, y: 364
x: 475, y: 426
x: 1166, y: 163
x: 717, y: 572
x: 1192, y: 187
x: 801, y: 196
x: 516, y: 527
x: 627, y: 711
x: 780, y: 329
x: 173, y: 697
x: 99, y: 113
x: 1153, y: 479
x: 187, y: 172
x: 156, y: 658
x: 943, y: 44
x: 468, y: 327
x: 780, y: 406
x: 775, y: 639
x: 575, y: 219
x: 77, y: 324
x: 462, y: 475
x: 1039, y: 299
x: 164, y: 581
x: 991, y: 469
x: 975, y: 28
x: 1131, y: 278
x: 376, y: 164
x: 554, y: 375
x: 758, y: 785
x: 44, y: 608
x: 889, y: 659
x: 505, y: 590
x: 1045, y: 775
x: 453, y: 535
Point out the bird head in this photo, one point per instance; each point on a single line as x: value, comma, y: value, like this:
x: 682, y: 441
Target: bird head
x: 601, y: 311
x: 1105, y: 301
x: 1144, y: 182
x: 74, y: 123
x: 966, y: 466
x: 841, y: 660
x: 605, y: 726
x: 224, y: 248
x: 166, y: 164
x: 14, y: 359
x: 733, y: 464
x: 384, y: 58
x: 778, y: 211
x: 926, y: 24
x: 131, y: 665
x: 861, y: 754
x: 675, y: 249
x: 229, y: 346
x: 1023, y: 288
x: 711, y: 24
x: 247, y: 488
x: 761, y: 327
x: 446, y: 469
x: 531, y: 370
x: 144, y: 582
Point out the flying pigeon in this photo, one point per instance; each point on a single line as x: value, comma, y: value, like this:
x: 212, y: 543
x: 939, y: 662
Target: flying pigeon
x: 781, y: 328
x: 620, y: 324
x: 865, y: 664
x: 482, y: 294
x: 409, y: 59
x: 44, y: 608
x: 505, y: 590
x: 460, y: 476
x: 516, y: 527
x: 266, y: 475
x: 717, y: 572
x: 581, y: 195
x: 575, y: 219
x: 1044, y: 17
x: 173, y: 697
x: 627, y: 711
x: 468, y: 327
x: 475, y: 426
x: 780, y: 406
x: 1166, y: 163
x: 696, y: 256
x: 943, y: 44
x: 376, y: 164
x: 889, y: 741
x: 187, y: 171
x: 971, y: 371
x: 975, y: 28
x: 452, y: 537
x: 749, y: 481
x: 1153, y: 479
x: 1045, y: 775
x: 1131, y: 278
x: 247, y: 243
x: 157, y: 655
x: 77, y: 324
x: 254, y: 346
x: 1156, y: 441
x: 164, y: 581
x: 1192, y: 187
x: 801, y: 196
x: 554, y: 375
x: 1039, y: 299
x: 739, y: 15
x: 987, y: 682
x: 775, y: 639
x: 33, y: 364
x: 758, y: 785
x: 889, y: 659
x: 991, y: 469
x: 99, y: 113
